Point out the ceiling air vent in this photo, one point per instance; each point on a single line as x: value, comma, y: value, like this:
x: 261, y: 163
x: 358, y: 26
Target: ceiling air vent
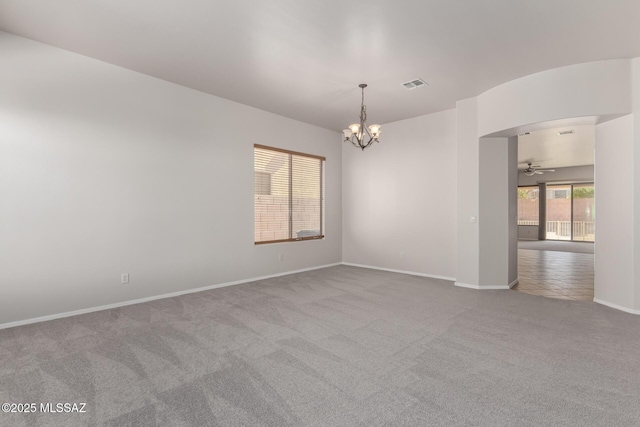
x: 566, y: 132
x: 414, y: 84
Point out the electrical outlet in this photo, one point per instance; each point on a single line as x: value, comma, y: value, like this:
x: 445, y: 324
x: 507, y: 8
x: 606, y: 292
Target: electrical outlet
x: 281, y: 257
x: 124, y: 278
x: 402, y: 255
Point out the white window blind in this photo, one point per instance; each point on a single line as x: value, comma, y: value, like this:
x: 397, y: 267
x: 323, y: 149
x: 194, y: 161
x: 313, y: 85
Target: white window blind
x: 263, y: 183
x: 293, y: 207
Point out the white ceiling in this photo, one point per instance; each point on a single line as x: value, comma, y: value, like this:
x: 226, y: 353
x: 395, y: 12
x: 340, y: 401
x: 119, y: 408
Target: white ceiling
x: 550, y: 150
x: 304, y: 59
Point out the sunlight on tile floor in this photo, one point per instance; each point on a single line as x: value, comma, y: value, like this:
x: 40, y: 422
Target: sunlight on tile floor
x: 564, y: 275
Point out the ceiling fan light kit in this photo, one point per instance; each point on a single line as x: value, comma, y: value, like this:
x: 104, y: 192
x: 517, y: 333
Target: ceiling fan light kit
x: 359, y: 134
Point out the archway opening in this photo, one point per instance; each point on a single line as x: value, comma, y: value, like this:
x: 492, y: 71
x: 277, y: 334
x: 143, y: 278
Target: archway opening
x: 556, y: 212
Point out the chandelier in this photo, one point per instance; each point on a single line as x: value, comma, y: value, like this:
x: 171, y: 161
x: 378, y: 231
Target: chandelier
x: 358, y: 133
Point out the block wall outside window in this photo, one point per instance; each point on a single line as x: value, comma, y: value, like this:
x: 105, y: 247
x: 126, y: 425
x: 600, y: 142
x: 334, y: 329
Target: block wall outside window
x: 528, y: 205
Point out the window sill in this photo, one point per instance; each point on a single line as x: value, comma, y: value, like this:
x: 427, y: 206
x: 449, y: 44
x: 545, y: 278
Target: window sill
x: 299, y: 239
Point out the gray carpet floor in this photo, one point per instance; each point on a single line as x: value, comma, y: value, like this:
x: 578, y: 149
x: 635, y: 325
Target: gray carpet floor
x: 341, y: 346
x: 557, y: 245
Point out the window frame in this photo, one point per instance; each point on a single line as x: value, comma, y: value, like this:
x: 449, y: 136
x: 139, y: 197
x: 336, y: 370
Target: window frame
x: 322, y: 160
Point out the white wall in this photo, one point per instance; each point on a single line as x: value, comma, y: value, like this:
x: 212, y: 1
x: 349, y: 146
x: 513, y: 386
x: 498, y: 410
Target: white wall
x: 635, y: 73
x: 498, y: 213
x: 589, y: 89
x: 399, y: 197
x: 529, y: 232
x: 468, y: 194
x: 106, y: 171
x: 512, y: 207
x: 614, y: 263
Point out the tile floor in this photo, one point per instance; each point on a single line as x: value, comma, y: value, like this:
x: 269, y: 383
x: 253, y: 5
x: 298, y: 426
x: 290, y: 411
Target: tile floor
x: 553, y: 274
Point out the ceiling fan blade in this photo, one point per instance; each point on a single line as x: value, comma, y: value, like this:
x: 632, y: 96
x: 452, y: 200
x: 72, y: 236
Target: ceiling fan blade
x: 537, y: 172
x: 546, y: 170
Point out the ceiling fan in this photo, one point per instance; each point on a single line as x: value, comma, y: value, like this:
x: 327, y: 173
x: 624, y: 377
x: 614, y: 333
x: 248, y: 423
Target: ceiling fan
x: 532, y: 170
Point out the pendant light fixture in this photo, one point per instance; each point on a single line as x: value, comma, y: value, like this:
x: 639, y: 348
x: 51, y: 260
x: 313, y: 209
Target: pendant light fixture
x: 358, y: 133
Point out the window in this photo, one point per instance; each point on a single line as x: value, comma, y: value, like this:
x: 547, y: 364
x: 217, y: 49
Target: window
x: 571, y: 212
x: 528, y: 206
x: 288, y: 195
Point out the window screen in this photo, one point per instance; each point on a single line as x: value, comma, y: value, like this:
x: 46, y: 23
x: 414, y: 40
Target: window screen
x: 288, y: 195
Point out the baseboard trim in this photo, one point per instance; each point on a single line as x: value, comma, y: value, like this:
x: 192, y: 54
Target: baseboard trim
x: 155, y: 297
x: 616, y: 306
x: 486, y: 288
x: 411, y: 273
x: 466, y: 285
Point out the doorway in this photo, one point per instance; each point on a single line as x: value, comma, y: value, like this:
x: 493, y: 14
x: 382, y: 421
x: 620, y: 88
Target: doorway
x: 556, y: 213
x: 549, y: 270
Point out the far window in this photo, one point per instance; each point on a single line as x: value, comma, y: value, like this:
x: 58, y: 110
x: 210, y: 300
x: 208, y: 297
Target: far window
x: 288, y: 195
x: 528, y: 205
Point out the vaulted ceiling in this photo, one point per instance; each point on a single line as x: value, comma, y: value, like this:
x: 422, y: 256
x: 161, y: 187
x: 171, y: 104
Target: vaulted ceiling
x: 304, y: 59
